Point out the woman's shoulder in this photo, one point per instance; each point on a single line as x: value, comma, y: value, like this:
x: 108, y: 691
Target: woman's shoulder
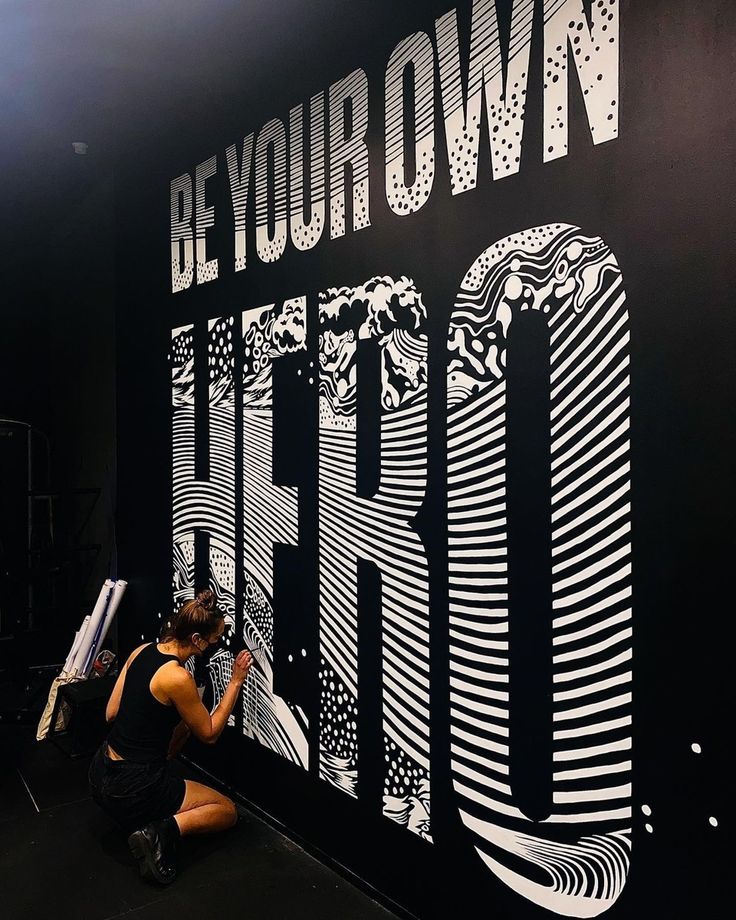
x: 171, y: 669
x: 173, y: 678
x: 135, y: 653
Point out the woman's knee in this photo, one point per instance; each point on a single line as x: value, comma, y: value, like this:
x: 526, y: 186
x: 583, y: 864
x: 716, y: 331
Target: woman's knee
x: 231, y: 811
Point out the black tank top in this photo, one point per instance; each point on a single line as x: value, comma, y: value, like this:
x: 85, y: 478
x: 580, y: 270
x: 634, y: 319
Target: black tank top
x: 142, y: 729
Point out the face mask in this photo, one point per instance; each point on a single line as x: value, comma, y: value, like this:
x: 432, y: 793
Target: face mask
x: 207, y: 653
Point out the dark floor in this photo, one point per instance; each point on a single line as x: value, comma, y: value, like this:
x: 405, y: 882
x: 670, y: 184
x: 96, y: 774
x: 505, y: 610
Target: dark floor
x: 61, y: 858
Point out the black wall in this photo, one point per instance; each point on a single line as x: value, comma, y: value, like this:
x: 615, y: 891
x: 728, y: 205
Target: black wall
x: 661, y: 197
x: 57, y: 372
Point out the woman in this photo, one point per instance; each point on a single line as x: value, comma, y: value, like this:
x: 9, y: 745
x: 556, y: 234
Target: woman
x: 154, y: 706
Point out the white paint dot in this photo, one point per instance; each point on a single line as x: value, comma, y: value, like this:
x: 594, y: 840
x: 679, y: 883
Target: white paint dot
x: 713, y: 822
x: 646, y: 809
x: 649, y: 828
x: 513, y: 287
x: 696, y: 748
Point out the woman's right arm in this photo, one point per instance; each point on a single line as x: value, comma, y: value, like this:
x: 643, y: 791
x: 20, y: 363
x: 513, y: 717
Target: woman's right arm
x: 204, y: 726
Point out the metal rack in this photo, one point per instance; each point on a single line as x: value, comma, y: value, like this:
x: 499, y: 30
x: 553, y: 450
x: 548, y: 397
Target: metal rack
x: 10, y: 560
x: 48, y: 558
x: 55, y: 548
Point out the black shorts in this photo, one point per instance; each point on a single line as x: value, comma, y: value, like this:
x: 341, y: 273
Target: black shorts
x: 134, y: 793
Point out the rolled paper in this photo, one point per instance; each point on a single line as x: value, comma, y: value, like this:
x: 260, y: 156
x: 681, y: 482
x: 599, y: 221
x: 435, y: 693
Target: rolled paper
x: 110, y: 611
x: 70, y: 655
x: 80, y: 659
x: 117, y: 596
x: 75, y: 645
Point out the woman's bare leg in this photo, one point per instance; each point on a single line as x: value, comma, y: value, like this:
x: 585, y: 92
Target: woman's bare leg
x: 204, y: 810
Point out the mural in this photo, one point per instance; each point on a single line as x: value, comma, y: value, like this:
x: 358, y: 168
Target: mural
x: 488, y: 82
x: 574, y: 861
x: 306, y: 233
x: 269, y: 517
x: 503, y: 91
x: 239, y: 172
x: 390, y: 259
x: 416, y: 52
x: 198, y: 505
x: 583, y: 847
x: 378, y: 530
x: 348, y: 147
x: 272, y: 138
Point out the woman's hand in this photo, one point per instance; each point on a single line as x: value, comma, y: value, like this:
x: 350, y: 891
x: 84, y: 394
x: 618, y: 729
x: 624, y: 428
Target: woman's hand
x: 241, y: 666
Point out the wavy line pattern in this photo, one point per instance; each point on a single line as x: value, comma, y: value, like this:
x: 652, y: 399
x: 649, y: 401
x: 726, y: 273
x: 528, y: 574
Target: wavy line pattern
x: 406, y: 198
x: 272, y: 135
x: 181, y: 232
x: 270, y: 515
x: 378, y: 530
x: 350, y: 149
x: 239, y: 178
x: 198, y: 505
x: 582, y: 849
x: 204, y: 220
x: 505, y: 93
x: 306, y: 233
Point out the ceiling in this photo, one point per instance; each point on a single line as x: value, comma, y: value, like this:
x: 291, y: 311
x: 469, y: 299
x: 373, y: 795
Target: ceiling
x: 114, y: 74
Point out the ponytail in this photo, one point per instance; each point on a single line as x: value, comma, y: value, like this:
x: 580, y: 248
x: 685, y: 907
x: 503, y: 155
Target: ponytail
x: 196, y: 616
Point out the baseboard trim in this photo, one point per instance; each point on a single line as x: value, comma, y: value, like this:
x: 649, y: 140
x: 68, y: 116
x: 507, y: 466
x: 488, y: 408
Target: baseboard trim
x: 360, y: 883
